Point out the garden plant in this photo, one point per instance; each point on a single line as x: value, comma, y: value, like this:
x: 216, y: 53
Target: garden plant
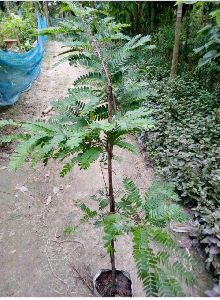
x: 100, y: 110
x: 19, y: 24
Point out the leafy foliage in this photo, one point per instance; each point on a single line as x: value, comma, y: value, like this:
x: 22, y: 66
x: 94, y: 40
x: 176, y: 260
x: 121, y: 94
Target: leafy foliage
x: 80, y: 131
x: 84, y: 128
x: 21, y: 27
x: 68, y: 230
x: 88, y: 213
x: 184, y: 140
x: 211, y: 49
x: 153, y: 245
x: 184, y: 146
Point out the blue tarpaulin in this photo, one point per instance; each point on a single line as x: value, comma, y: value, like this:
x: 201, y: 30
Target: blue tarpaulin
x: 19, y: 70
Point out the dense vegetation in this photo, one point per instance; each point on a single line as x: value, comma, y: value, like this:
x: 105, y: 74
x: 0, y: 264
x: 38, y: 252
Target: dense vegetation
x: 18, y: 22
x: 184, y: 141
x: 100, y: 110
x: 184, y: 144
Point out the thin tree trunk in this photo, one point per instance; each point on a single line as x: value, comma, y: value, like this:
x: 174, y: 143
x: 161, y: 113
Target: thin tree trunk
x: 187, y: 37
x: 109, y: 149
x: 152, y: 16
x: 137, y: 17
x: 7, y: 7
x: 110, y: 182
x: 46, y: 10
x: 112, y: 211
x: 177, y: 41
x: 142, y: 20
x: 39, y: 8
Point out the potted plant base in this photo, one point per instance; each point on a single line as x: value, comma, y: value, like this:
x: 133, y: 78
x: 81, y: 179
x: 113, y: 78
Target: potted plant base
x: 102, y: 283
x: 11, y: 43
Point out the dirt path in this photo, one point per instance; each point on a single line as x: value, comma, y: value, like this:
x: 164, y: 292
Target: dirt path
x: 36, y: 206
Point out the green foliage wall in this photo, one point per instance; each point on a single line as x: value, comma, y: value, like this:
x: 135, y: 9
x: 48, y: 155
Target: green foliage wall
x: 184, y: 144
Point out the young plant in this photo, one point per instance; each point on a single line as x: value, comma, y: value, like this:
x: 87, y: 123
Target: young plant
x: 161, y: 264
x: 99, y: 112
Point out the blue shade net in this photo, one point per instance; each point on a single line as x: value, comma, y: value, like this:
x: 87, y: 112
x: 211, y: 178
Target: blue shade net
x: 19, y: 70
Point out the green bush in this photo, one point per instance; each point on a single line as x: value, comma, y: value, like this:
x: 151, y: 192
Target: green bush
x: 19, y: 27
x: 184, y: 145
x: 185, y: 140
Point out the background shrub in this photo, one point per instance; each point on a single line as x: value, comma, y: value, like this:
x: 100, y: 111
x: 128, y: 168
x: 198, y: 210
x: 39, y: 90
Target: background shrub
x: 20, y: 25
x: 184, y: 145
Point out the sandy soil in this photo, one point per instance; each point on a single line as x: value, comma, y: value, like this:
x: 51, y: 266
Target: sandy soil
x: 36, y: 258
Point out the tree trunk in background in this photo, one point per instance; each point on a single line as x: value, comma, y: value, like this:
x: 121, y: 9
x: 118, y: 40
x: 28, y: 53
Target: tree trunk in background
x: 46, y: 10
x: 152, y: 16
x: 187, y: 37
x: 177, y: 41
x: 135, y: 13
x: 39, y: 8
x: 7, y: 7
x: 138, y: 20
x: 142, y: 20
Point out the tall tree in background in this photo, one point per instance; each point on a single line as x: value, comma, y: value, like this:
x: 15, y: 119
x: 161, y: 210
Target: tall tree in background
x: 6, y: 4
x: 46, y: 10
x: 177, y: 40
x: 152, y: 16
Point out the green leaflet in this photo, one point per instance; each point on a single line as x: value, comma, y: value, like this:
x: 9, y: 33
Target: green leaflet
x: 89, y: 156
x: 169, y: 286
x: 22, y: 151
x: 145, y: 261
x: 14, y: 137
x: 115, y: 225
x: 131, y: 201
x: 90, y: 77
x: 88, y: 213
x: 4, y: 123
x: 83, y: 159
x: 125, y: 145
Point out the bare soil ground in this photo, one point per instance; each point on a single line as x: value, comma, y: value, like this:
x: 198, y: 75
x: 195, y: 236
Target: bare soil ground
x: 36, y: 205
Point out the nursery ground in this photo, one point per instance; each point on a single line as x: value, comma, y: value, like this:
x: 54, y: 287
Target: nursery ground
x: 36, y: 258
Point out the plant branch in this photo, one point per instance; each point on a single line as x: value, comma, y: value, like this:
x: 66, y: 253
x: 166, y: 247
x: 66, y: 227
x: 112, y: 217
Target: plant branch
x: 109, y: 149
x: 82, y: 279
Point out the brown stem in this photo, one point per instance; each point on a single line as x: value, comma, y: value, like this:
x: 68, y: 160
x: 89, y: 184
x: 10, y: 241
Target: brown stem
x: 109, y: 148
x: 111, y: 99
x: 111, y: 190
x: 112, y: 256
x: 112, y: 210
x: 110, y: 187
x: 46, y: 11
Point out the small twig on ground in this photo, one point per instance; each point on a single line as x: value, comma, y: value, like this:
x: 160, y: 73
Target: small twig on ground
x: 7, y: 193
x: 57, y: 259
x: 51, y: 268
x: 84, y: 281
x: 47, y: 110
x: 67, y: 241
x: 59, y: 293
